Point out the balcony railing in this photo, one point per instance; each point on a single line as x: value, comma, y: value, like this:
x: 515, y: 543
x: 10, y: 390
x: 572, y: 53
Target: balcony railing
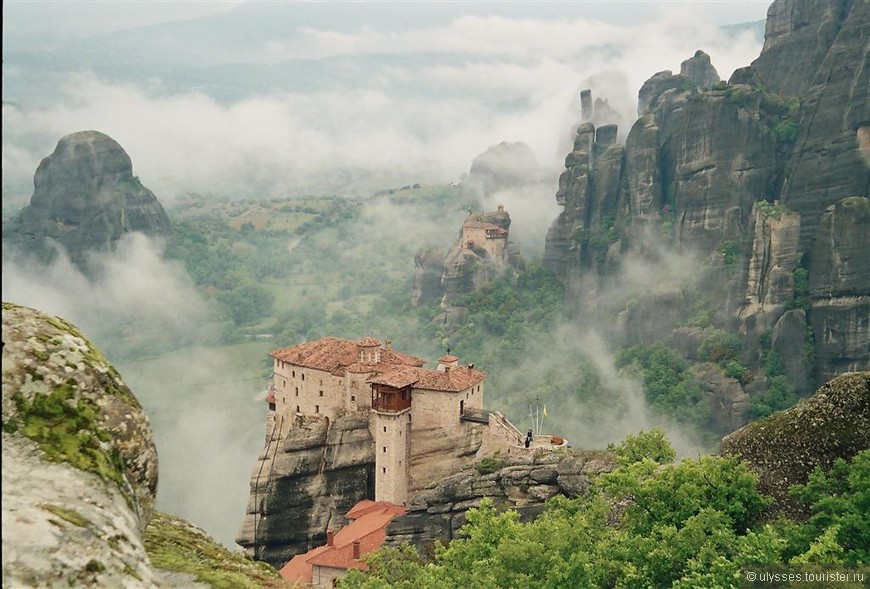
x: 475, y: 415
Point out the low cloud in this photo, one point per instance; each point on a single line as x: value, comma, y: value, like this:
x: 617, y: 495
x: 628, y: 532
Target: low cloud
x: 207, y: 425
x: 500, y: 79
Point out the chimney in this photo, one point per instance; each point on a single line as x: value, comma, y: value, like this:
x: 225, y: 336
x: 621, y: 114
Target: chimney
x: 330, y: 538
x: 356, y: 549
x: 388, y: 344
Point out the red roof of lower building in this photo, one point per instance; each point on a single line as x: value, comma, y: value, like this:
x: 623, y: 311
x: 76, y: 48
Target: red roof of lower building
x: 368, y: 528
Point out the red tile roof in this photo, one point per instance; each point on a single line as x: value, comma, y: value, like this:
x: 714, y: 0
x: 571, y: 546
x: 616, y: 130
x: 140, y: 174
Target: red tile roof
x: 299, y: 567
x: 333, y: 354
x: 452, y: 380
x: 270, y: 398
x: 368, y: 528
x: 396, y: 378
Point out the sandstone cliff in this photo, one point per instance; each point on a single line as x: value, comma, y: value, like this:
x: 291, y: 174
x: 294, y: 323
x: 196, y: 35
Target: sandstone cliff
x: 306, y: 479
x: 763, y: 179
x: 85, y: 198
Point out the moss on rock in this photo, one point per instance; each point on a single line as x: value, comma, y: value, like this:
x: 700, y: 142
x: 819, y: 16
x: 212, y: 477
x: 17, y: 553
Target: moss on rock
x: 784, y: 448
x: 176, y: 546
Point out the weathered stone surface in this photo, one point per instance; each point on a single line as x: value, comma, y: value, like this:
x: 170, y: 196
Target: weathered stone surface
x: 797, y: 37
x: 840, y: 288
x: 727, y: 399
x: 523, y: 483
x: 79, y: 461
x: 306, y: 484
x: 826, y: 164
x: 839, y: 261
x: 788, y: 341
x: 661, y: 84
x: 783, y: 449
x: 428, y: 270
x: 85, y: 198
x: 721, y: 160
x: 699, y: 69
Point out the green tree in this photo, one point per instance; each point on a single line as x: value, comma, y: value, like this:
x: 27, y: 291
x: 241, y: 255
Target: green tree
x: 651, y: 445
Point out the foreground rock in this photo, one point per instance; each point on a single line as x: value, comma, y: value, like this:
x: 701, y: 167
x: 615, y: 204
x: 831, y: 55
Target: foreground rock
x: 85, y: 199
x: 786, y: 447
x: 79, y: 461
x: 80, y: 476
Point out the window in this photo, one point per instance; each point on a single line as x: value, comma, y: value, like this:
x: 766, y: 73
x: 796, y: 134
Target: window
x: 321, y: 382
x: 303, y: 375
x: 321, y: 393
x: 294, y: 374
x: 317, y: 408
x: 353, y: 398
x: 271, y: 406
x: 385, y: 429
x: 284, y: 380
x: 297, y: 391
x: 385, y: 470
x: 385, y: 448
x: 297, y: 409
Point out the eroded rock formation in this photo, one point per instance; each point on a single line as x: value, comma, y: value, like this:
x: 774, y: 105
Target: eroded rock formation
x: 764, y: 179
x: 85, y: 198
x: 784, y: 448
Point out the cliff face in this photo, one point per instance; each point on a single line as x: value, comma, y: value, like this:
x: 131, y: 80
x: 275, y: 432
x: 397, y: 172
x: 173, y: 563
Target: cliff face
x: 307, y: 478
x: 765, y: 179
x: 521, y: 483
x: 85, y: 198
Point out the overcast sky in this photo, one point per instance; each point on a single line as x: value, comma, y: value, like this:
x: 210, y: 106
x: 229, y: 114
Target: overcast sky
x: 42, y: 16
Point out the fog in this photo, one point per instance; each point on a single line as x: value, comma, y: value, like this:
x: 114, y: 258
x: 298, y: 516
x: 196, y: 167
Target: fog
x: 417, y: 104
x: 399, y: 93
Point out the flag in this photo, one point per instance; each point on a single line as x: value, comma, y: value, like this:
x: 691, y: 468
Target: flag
x: 545, y: 410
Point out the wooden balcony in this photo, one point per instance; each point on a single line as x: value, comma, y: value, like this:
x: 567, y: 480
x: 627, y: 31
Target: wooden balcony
x: 389, y: 400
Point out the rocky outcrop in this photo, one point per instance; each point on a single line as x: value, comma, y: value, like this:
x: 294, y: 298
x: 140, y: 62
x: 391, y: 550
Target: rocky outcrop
x: 482, y: 252
x: 786, y: 447
x: 85, y: 198
x: 797, y: 37
x: 428, y: 270
x: 79, y: 461
x: 826, y: 164
x: 728, y: 401
x: 699, y: 69
x: 521, y: 483
x: 306, y: 479
x: 504, y: 166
